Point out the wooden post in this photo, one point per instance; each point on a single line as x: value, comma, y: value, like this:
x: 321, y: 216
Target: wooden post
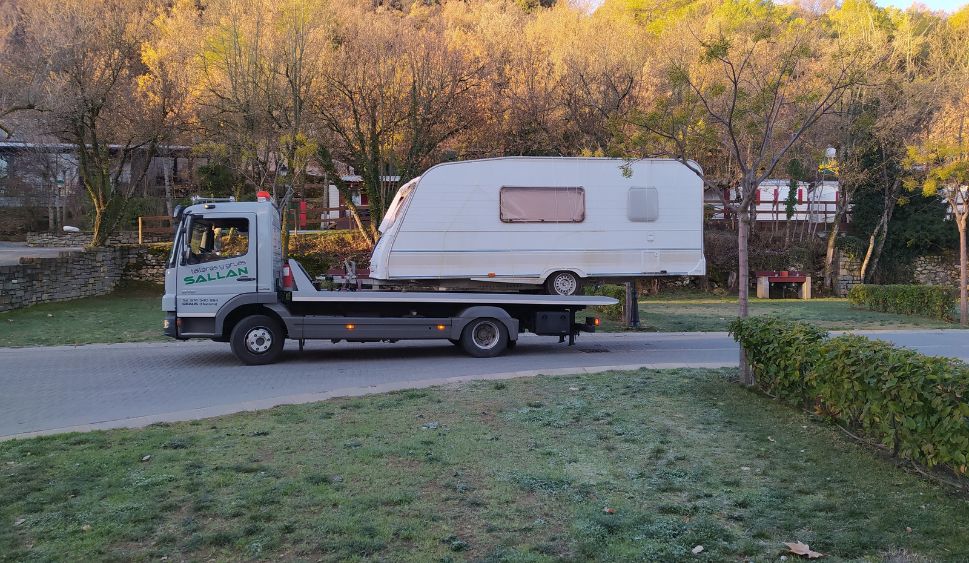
x: 140, y: 229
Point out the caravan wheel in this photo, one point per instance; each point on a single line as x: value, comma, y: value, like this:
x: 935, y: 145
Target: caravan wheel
x: 563, y: 283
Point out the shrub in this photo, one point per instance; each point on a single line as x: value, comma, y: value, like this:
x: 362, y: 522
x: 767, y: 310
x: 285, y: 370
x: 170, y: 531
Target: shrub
x: 913, y: 404
x: 924, y: 300
x: 612, y: 312
x: 781, y: 353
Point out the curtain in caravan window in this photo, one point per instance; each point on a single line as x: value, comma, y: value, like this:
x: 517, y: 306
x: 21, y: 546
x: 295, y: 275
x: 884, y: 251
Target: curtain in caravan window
x: 542, y: 205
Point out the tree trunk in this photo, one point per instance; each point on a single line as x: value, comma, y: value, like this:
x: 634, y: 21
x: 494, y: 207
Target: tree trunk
x: 877, y: 240
x: 743, y: 280
x: 963, y: 301
x: 743, y: 261
x: 98, y: 233
x: 169, y: 204
x: 871, y: 248
x: 832, y: 242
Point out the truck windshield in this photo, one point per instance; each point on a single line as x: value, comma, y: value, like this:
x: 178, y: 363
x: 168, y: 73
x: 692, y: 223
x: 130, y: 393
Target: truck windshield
x: 211, y: 239
x: 394, y: 212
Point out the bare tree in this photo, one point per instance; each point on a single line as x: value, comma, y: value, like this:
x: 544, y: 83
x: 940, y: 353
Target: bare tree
x: 90, y: 52
x: 391, y: 93
x: 758, y: 76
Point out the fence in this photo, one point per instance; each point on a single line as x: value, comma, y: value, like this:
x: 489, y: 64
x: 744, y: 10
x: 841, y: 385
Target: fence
x: 305, y: 217
x: 154, y: 225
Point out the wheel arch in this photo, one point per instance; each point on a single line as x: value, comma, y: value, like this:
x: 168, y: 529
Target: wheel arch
x: 577, y: 271
x: 462, y: 319
x: 225, y: 323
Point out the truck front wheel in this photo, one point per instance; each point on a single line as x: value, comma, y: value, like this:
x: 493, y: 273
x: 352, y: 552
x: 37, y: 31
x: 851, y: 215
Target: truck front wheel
x: 484, y: 338
x: 257, y: 340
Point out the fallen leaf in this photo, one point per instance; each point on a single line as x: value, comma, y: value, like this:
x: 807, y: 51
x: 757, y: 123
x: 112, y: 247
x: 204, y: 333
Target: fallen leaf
x: 908, y: 529
x: 609, y: 510
x: 745, y: 468
x: 86, y: 527
x: 798, y: 548
x: 697, y: 550
x: 19, y: 521
x: 146, y: 458
x: 771, y: 439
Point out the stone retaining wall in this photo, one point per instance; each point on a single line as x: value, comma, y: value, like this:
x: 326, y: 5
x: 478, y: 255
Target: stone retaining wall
x: 73, y: 275
x: 80, y: 240
x: 849, y: 274
x: 937, y: 270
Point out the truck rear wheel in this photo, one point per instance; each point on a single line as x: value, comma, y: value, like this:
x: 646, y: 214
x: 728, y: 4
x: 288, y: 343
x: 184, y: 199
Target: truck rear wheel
x: 563, y: 283
x: 484, y: 338
x: 257, y: 340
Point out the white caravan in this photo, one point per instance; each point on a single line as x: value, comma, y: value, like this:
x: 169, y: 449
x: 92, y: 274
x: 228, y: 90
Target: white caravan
x: 551, y: 221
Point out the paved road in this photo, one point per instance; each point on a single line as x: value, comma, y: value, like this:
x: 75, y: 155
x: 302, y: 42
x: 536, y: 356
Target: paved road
x: 11, y: 252
x: 46, y: 390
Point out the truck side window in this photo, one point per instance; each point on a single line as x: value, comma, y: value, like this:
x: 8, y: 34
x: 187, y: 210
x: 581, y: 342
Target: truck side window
x: 542, y: 205
x: 217, y: 239
x: 642, y: 205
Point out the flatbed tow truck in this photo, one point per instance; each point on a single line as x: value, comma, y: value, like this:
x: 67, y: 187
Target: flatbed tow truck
x: 226, y: 280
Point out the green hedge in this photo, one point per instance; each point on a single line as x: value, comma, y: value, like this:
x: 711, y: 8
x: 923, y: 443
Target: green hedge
x: 612, y: 312
x: 918, y: 406
x: 924, y: 300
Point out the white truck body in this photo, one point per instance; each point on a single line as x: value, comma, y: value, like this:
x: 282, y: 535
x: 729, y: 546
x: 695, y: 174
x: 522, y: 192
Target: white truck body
x: 521, y: 219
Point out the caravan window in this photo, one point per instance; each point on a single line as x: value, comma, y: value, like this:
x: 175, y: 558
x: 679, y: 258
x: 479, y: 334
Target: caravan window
x: 642, y: 205
x: 397, y: 205
x: 542, y: 205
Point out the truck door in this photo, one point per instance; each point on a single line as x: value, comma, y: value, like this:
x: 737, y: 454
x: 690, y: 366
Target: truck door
x: 218, y: 262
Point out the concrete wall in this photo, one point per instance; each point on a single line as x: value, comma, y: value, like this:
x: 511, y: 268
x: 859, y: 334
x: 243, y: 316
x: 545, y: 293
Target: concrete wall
x: 73, y: 275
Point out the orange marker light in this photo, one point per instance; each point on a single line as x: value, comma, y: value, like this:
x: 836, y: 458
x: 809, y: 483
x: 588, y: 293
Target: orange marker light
x: 596, y: 322
x: 441, y: 327
x: 351, y: 327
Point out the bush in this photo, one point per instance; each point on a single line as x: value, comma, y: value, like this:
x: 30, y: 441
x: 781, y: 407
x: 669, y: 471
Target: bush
x: 318, y: 252
x: 913, y: 404
x: 923, y: 300
x: 612, y: 312
x: 780, y: 352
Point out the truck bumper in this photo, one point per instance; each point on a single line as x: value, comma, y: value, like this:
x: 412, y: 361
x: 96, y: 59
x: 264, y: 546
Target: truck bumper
x: 169, y: 325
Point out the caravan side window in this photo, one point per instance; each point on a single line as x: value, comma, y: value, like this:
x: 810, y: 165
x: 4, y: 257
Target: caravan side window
x: 542, y: 205
x: 642, y: 205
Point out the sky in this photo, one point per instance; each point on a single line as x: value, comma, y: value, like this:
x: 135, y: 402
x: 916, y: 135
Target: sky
x: 947, y: 5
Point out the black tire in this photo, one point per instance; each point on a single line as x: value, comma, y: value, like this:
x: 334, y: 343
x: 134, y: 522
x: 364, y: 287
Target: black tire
x: 257, y: 340
x: 563, y: 283
x: 455, y: 342
x: 512, y: 344
x: 484, y: 338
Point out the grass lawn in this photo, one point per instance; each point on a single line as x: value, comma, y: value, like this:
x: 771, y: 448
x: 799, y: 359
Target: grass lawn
x: 131, y: 314
x: 704, y: 312
x: 514, y: 470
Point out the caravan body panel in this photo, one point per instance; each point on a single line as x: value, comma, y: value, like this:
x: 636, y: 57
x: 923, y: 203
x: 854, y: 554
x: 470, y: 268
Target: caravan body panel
x: 624, y: 219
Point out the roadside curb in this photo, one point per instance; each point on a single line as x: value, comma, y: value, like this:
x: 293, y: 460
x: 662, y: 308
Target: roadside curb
x: 303, y: 398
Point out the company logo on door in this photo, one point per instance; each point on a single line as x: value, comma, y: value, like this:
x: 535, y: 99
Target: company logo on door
x: 205, y: 274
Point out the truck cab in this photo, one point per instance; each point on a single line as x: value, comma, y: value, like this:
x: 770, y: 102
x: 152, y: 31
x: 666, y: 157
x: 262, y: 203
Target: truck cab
x: 224, y: 253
